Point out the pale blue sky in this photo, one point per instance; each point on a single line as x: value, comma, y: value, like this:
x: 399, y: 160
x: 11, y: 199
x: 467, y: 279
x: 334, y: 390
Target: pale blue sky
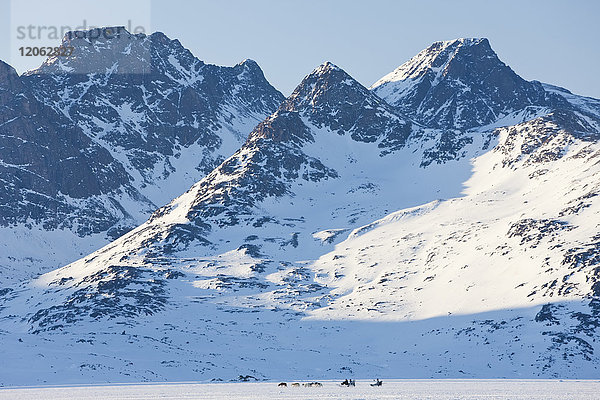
x: 552, y: 41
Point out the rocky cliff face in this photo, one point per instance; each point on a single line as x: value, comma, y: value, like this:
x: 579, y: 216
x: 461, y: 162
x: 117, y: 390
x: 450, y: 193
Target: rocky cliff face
x: 54, y: 175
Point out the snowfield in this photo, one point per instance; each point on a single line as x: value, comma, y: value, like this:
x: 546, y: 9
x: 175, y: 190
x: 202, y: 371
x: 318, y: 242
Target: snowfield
x: 397, y: 390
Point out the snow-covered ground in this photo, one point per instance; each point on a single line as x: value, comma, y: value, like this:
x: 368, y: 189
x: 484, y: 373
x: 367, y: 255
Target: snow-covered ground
x: 399, y: 389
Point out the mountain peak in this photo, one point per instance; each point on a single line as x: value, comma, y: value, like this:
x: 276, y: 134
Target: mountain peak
x: 477, y: 47
x: 326, y: 67
x: 463, y: 43
x: 107, y: 33
x: 104, y: 50
x: 106, y: 30
x: 438, y: 56
x: 460, y: 84
x: 330, y: 97
x: 326, y: 82
x: 325, y: 73
x: 114, y: 50
x: 250, y: 66
x: 249, y: 63
x: 473, y: 41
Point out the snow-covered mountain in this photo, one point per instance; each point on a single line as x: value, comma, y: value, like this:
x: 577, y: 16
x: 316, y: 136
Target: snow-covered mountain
x: 347, y: 237
x: 98, y: 140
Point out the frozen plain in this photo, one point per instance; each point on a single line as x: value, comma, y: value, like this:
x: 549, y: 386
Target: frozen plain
x: 397, y: 389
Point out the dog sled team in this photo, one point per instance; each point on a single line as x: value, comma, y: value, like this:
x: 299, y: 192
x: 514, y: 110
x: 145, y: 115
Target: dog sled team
x: 346, y: 382
x: 306, y: 384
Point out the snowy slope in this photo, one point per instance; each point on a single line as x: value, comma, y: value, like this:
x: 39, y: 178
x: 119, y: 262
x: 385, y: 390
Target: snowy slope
x: 342, y: 239
x: 523, y: 234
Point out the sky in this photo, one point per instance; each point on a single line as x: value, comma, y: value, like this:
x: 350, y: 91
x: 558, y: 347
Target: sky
x: 551, y: 41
